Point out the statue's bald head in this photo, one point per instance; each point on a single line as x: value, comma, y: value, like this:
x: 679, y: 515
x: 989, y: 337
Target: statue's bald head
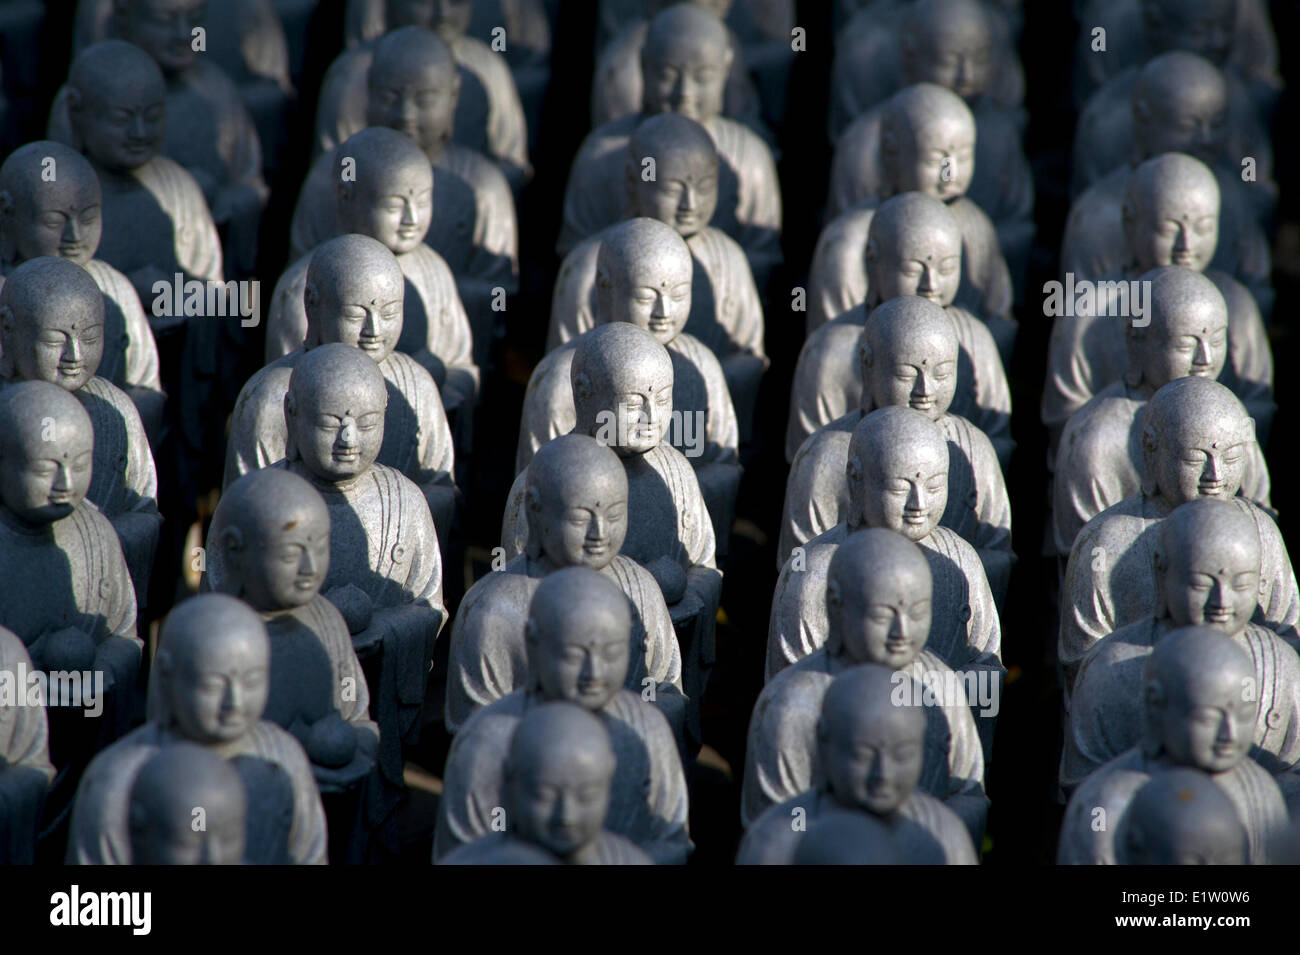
x: 1181, y: 817
x: 914, y: 247
x: 50, y: 204
x: 897, y: 472
x: 1207, y: 565
x: 51, y: 323
x: 576, y: 502
x: 354, y: 294
x: 683, y: 191
x: 413, y: 86
x: 1196, y: 439
x: 1204, y: 27
x: 622, y: 381
x: 848, y: 838
x: 908, y: 354
x: 182, y: 783
x: 948, y: 42
x: 1186, y: 330
x: 46, y: 452
x: 643, y: 276
x: 878, y: 599
x: 1180, y: 104
x: 334, y: 410
x: 389, y: 194
x: 927, y: 142
x: 577, y: 637
x: 1171, y: 213
x: 108, y: 81
x: 684, y: 63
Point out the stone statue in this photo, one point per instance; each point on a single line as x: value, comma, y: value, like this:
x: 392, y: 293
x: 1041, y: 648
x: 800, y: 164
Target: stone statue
x: 209, y: 686
x: 181, y: 784
x: 576, y: 505
x: 577, y: 646
x: 1183, y: 333
x: 64, y: 217
x: 878, y: 609
x: 391, y: 200
x: 1170, y: 217
x: 489, y: 117
x: 1195, y: 443
x: 1178, y: 105
x: 412, y: 87
x: 385, y: 571
x: 25, y: 768
x: 209, y: 130
x: 897, y: 472
x: 557, y: 782
x: 914, y: 247
x: 842, y: 837
x: 1195, y: 715
x: 909, y: 356
x: 643, y: 277
x: 726, y: 312
x: 273, y: 529
x: 622, y: 381
x: 52, y: 329
x: 352, y: 293
x: 1180, y: 817
x: 1206, y: 569
x: 682, y: 38
x: 875, y: 757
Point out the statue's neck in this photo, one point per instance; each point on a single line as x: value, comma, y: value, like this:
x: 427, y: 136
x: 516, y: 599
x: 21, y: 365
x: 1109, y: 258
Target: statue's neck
x: 15, y: 523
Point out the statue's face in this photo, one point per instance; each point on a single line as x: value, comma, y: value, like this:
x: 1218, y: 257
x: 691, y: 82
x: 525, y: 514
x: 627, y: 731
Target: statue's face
x: 365, y: 314
x: 62, y: 344
x: 397, y: 213
x: 418, y: 101
x: 641, y: 415
x: 1203, y: 27
x: 45, y: 472
x: 121, y: 128
x: 60, y: 218
x: 218, y: 692
x: 887, y: 621
x: 1213, y: 582
x: 683, y: 194
x: 1180, y: 229
x: 339, y: 429
x: 653, y: 293
x: 921, y: 374
x: 584, y: 526
x: 587, y: 663
x: 1192, y: 342
x: 1195, y: 122
x: 1202, y: 458
x: 560, y: 803
x: 925, y: 262
x: 877, y: 767
x: 165, y: 30
x: 687, y: 79
x: 957, y: 58
x: 285, y: 565
x: 907, y: 491
x: 1214, y: 727
x: 939, y: 161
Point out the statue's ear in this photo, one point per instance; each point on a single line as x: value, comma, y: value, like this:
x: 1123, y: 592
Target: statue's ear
x: 1141, y: 109
x: 853, y: 469
x: 6, y: 321
x: 6, y: 204
x: 532, y: 500
x: 864, y: 353
x: 347, y: 189
x: 581, y: 385
x: 834, y: 599
x: 872, y: 251
x: 888, y: 140
x: 1150, y: 440
x: 1153, y: 695
x: 73, y: 99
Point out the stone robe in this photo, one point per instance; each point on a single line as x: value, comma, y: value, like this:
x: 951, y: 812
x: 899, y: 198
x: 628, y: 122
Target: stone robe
x: 488, y: 658
x: 1100, y: 463
x: 499, y: 848
x: 979, y: 508
x: 1110, y: 578
x: 925, y: 831
x: 268, y: 759
x: 1106, y: 716
x: 648, y: 800
x: 1112, y: 787
x: 435, y: 328
x: 828, y: 380
x: 25, y: 768
x: 781, y: 756
x: 749, y: 192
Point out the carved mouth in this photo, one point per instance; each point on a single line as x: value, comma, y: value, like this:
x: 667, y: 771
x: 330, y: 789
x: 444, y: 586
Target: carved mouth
x: 1212, y: 488
x: 1182, y: 258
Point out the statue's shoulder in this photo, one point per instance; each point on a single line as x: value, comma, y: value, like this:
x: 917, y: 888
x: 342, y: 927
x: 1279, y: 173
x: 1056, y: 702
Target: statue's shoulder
x: 1133, y: 641
x: 171, y: 180
x: 553, y: 370
x: 944, y: 540
x: 409, y: 376
x: 827, y: 448
x: 111, y: 282
x: 1113, y: 784
x: 109, y: 393
x: 697, y: 353
x: 718, y: 248
x: 207, y: 75
x: 972, y: 219
x: 613, y: 849
x: 962, y: 432
x: 804, y: 680
x: 1103, y: 422
x: 581, y: 260
x: 737, y: 141
x: 834, y: 336
x: 508, y: 589
x: 644, y: 716
x: 410, y: 498
x: 476, y: 55
x: 269, y: 383
x: 607, y: 138
x: 1119, y: 524
x: 276, y: 744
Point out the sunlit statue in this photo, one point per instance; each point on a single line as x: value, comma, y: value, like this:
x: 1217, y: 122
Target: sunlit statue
x: 25, y: 768
x: 187, y: 806
x: 909, y: 356
x: 875, y: 756
x: 914, y: 247
x: 577, y: 646
x: 1196, y: 440
x: 209, y: 686
x: 1181, y: 817
x: 1196, y: 714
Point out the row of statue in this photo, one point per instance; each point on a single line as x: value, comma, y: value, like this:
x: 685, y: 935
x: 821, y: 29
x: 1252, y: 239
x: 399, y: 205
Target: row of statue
x: 282, y: 702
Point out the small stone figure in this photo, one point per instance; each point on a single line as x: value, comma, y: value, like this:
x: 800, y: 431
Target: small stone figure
x: 412, y: 88
x: 1180, y: 817
x: 878, y: 609
x: 1183, y: 333
x: 841, y: 837
x: 1206, y: 568
x: 209, y: 686
x: 273, y: 529
x: 64, y: 217
x: 643, y: 277
x: 352, y: 293
x: 576, y: 505
x: 577, y: 645
x: 25, y: 768
x: 1196, y: 715
x: 52, y: 329
x: 726, y: 313
x: 874, y: 753
x: 1195, y: 442
x: 557, y: 781
x: 909, y: 357
x: 914, y: 247
x: 181, y: 786
x: 683, y: 39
